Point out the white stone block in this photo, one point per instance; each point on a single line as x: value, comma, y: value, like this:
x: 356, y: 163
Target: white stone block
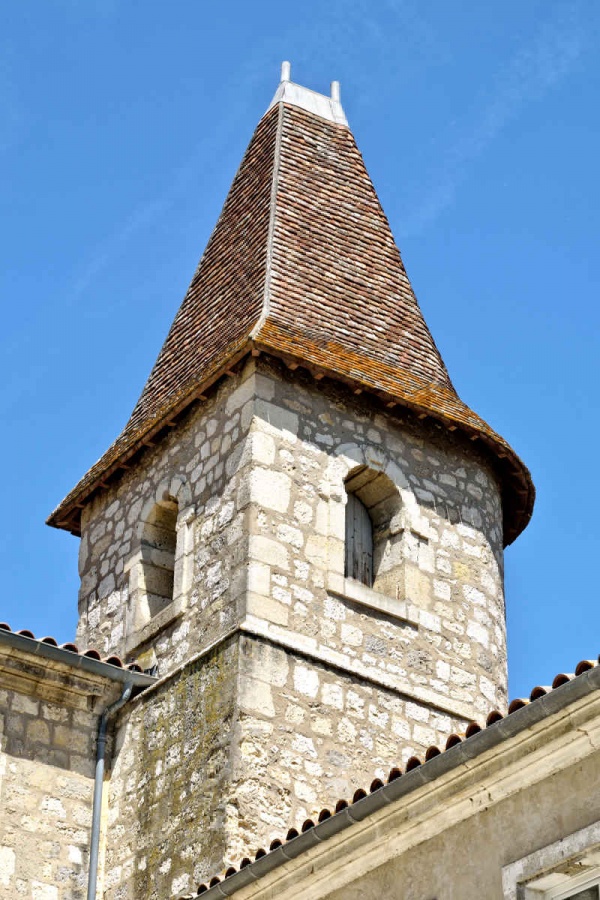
x: 290, y: 535
x: 241, y: 395
x: 488, y: 689
x: 262, y: 447
x: 277, y: 419
x: 270, y: 489
x: 473, y: 595
x: 256, y: 697
x: 322, y: 518
x: 478, y: 633
x: 305, y: 793
x: 306, y: 681
x: 259, y: 578
x: 351, y: 635
x: 268, y: 551
x: 429, y: 621
x: 267, y: 609
x: 417, y: 712
x: 442, y: 590
x: 7, y: 865
x: 333, y: 695
x: 40, y: 891
x: 305, y: 745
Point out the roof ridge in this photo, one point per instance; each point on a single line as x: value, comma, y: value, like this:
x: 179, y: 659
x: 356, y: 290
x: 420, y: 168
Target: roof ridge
x: 266, y: 306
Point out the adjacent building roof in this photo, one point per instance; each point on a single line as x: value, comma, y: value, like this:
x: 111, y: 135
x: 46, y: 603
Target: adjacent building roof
x: 303, y: 265
x: 523, y: 714
x: 69, y: 653
x: 63, y: 674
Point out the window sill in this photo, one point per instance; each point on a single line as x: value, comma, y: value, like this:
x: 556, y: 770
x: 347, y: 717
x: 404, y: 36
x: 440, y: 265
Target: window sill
x: 349, y: 589
x: 146, y: 632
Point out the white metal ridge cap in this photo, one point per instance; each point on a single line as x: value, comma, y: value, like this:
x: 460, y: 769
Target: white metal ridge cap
x: 329, y: 108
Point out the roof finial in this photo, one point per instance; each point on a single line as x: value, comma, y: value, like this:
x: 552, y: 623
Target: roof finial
x: 319, y: 104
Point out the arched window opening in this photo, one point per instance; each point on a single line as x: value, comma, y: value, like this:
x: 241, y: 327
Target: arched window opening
x: 359, y: 542
x: 158, y: 543
x: 373, y: 533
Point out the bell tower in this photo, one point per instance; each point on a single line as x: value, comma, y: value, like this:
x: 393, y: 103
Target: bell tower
x: 301, y: 527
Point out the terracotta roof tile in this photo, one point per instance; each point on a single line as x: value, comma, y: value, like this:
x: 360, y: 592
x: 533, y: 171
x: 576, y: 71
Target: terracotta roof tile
x: 302, y: 264
x: 90, y: 653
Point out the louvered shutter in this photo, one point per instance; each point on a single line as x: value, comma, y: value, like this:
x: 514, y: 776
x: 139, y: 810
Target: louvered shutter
x: 359, y: 542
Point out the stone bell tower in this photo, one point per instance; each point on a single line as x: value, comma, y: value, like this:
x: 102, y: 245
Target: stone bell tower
x: 300, y: 529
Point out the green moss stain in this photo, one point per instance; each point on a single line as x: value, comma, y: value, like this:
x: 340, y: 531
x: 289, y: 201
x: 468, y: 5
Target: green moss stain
x: 174, y: 792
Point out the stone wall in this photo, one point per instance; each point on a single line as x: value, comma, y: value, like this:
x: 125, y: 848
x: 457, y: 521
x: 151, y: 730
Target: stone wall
x: 47, y: 756
x: 201, y: 464
x: 168, y: 801
x: 440, y: 635
x: 259, y: 472
x: 230, y: 751
x: 310, y: 734
x: 315, y: 683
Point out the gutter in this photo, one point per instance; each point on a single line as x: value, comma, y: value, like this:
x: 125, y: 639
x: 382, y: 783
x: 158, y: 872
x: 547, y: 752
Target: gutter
x: 516, y: 722
x: 99, y: 787
x: 74, y: 660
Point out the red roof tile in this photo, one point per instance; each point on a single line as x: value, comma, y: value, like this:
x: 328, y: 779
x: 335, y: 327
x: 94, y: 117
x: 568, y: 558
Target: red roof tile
x: 90, y: 653
x: 472, y: 729
x: 302, y: 264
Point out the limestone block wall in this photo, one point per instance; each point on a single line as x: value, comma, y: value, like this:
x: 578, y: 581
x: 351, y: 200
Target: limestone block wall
x: 170, y: 781
x: 310, y: 734
x: 438, y: 633
x: 258, y: 474
x: 201, y: 465
x: 233, y: 749
x: 47, y: 756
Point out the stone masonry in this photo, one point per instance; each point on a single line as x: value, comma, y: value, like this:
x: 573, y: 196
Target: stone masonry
x: 46, y: 782
x: 48, y: 725
x: 314, y: 682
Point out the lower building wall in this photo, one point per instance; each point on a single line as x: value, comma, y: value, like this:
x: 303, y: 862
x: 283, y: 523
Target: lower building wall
x: 46, y: 789
x: 167, y: 799
x: 466, y: 862
x: 229, y: 752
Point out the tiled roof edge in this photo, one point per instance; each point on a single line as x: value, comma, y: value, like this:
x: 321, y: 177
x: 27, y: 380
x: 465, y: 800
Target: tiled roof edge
x: 522, y: 714
x: 268, y: 338
x: 89, y: 661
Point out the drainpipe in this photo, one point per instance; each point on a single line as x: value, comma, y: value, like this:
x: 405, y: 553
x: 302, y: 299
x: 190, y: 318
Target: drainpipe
x: 98, y: 787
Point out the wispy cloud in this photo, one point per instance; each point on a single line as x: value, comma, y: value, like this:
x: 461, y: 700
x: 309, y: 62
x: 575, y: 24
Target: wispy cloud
x: 533, y: 71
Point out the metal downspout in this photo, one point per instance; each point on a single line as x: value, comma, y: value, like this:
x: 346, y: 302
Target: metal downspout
x: 98, y: 788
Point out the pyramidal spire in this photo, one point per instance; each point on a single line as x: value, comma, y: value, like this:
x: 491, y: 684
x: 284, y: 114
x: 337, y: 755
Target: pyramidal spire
x: 302, y: 265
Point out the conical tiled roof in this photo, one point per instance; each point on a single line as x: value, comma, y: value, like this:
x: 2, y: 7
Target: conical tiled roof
x: 303, y: 265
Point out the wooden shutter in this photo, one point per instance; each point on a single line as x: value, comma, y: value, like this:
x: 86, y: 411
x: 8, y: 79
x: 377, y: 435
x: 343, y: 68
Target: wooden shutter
x: 359, y: 542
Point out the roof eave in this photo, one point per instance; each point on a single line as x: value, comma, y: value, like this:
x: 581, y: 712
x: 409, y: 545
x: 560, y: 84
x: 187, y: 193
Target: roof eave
x: 518, y: 492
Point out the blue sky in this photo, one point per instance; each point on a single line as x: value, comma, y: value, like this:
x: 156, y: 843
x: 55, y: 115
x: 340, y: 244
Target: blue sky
x: 122, y: 126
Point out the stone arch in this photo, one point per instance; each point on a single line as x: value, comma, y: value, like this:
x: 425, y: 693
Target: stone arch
x: 352, y: 468
x: 161, y: 564
x: 177, y: 489
x: 374, y: 527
